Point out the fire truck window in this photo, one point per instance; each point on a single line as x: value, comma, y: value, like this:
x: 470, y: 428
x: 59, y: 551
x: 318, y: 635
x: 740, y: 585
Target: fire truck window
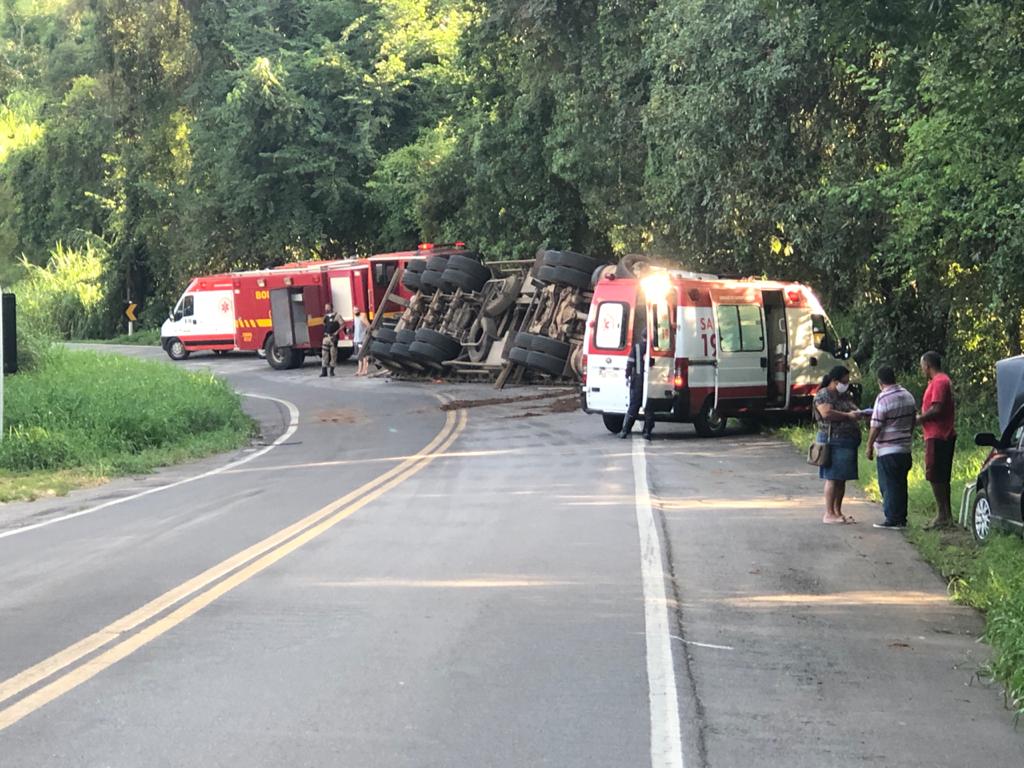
x: 612, y: 325
x: 729, y: 339
x: 383, y: 272
x: 661, y: 314
x: 188, y: 306
x: 751, y: 328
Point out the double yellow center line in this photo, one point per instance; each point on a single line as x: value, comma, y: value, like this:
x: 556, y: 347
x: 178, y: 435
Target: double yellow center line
x: 198, y: 592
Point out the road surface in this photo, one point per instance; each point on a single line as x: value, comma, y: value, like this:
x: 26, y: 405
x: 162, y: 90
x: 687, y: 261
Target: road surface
x: 387, y: 584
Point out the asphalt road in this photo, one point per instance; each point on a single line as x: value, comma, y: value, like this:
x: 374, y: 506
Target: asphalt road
x: 387, y: 584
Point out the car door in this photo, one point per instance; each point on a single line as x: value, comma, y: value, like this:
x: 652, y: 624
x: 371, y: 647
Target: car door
x: 1006, y: 480
x: 660, y: 359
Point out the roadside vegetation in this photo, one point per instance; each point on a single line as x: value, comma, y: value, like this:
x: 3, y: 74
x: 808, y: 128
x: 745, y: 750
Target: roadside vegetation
x: 989, y: 577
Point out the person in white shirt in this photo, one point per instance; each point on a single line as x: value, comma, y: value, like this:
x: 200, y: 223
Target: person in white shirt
x: 359, y: 327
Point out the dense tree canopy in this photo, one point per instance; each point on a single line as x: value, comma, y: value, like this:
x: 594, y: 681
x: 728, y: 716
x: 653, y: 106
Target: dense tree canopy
x: 871, y: 149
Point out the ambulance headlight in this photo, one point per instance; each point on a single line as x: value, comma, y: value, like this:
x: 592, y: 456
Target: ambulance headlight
x: 656, y: 285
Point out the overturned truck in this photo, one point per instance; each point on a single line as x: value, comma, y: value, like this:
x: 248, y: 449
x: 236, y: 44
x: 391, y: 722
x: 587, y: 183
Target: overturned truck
x: 507, y: 322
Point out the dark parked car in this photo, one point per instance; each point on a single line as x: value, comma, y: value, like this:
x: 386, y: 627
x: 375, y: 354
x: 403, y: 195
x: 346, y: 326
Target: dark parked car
x: 1001, y: 480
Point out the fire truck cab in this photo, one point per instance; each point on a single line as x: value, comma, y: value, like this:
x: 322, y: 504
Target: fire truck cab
x: 716, y: 348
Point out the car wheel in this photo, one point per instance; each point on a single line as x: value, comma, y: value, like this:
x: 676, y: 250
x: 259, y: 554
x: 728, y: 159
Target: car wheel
x: 981, y: 520
x: 709, y: 423
x: 176, y: 350
x: 613, y: 421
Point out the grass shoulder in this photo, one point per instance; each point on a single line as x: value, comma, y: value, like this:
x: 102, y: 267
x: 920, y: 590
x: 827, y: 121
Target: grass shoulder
x: 989, y: 577
x: 146, y: 338
x: 81, y: 417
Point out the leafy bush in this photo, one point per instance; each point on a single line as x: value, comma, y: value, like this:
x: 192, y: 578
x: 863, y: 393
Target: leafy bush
x: 98, y: 412
x: 63, y: 299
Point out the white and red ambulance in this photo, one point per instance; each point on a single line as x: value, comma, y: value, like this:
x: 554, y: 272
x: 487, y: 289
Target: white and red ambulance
x: 716, y: 348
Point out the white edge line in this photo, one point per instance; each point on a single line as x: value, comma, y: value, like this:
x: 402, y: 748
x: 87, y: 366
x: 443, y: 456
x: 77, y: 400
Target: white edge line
x: 293, y: 425
x: 666, y: 740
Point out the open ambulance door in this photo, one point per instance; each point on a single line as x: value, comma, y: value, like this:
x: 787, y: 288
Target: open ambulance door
x: 659, y: 358
x: 741, y: 370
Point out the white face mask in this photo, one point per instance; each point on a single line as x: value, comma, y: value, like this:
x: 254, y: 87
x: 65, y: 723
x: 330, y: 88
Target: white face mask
x: 842, y: 388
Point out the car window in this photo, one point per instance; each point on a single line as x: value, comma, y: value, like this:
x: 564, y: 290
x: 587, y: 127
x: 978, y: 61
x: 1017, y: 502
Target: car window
x: 740, y: 328
x: 612, y: 325
x: 1018, y: 436
x: 825, y: 337
x: 188, y: 306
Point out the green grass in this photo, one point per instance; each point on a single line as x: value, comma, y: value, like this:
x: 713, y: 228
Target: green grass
x: 148, y: 338
x: 80, y: 417
x: 989, y: 577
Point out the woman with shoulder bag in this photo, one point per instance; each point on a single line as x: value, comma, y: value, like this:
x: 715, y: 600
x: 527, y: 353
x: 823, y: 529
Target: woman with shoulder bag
x: 838, y: 417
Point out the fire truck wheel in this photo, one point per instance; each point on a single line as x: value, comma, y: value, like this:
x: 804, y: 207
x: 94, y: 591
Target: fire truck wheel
x: 445, y: 344
x: 176, y: 350
x: 470, y: 266
x: 549, y: 346
x: 456, y: 278
x: 546, y: 363
x: 573, y: 277
x: 613, y: 421
x: 431, y: 281
x: 405, y: 336
x: 518, y: 355
x: 411, y: 280
x: 436, y: 264
x: 381, y: 350
x: 708, y: 422
x: 572, y: 260
x: 428, y: 353
x: 386, y: 335
x: 503, y: 295
x: 282, y: 358
x: 546, y: 274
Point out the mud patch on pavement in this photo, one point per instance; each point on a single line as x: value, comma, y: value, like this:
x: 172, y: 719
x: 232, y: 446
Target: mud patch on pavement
x: 339, y: 416
x: 566, y: 404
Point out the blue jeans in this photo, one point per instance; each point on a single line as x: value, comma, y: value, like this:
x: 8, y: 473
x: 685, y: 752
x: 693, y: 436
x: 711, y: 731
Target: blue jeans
x: 893, y: 469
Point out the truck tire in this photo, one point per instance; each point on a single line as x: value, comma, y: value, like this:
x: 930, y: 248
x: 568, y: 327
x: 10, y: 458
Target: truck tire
x: 490, y: 326
x: 707, y: 421
x: 572, y: 260
x: 446, y: 344
x: 503, y: 297
x: 455, y: 278
x: 518, y: 355
x: 387, y: 335
x: 613, y: 421
x: 411, y: 280
x: 546, y: 363
x: 470, y: 266
x: 549, y: 346
x: 573, y: 278
x: 400, y: 351
x: 176, y: 349
x: 598, y: 273
x: 283, y: 358
x: 416, y: 265
x: 431, y: 281
x: 380, y: 350
x: 405, y: 336
x: 478, y: 342
x: 436, y: 264
x: 428, y: 353
x: 547, y: 274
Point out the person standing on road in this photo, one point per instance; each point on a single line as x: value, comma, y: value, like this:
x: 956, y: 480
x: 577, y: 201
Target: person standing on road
x: 329, y: 345
x: 636, y: 379
x: 359, y: 327
x: 890, y: 438
x: 837, y: 415
x: 938, y: 421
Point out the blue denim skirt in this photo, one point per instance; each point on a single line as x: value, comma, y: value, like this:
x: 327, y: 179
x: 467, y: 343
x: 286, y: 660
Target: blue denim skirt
x: 844, y: 460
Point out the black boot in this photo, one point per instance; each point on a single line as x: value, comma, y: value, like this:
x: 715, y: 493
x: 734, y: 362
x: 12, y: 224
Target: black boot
x: 323, y: 372
x: 332, y: 371
x: 627, y: 427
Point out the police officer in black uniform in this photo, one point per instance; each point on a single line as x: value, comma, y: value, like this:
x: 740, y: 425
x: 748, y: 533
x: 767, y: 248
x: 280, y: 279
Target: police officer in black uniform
x: 636, y: 379
x: 329, y: 345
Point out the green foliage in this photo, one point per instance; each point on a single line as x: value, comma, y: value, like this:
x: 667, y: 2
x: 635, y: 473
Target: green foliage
x: 84, y: 411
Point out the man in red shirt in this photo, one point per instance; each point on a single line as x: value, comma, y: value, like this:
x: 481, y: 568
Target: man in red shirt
x: 937, y: 418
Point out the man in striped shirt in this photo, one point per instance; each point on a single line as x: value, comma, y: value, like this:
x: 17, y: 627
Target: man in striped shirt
x: 892, y: 432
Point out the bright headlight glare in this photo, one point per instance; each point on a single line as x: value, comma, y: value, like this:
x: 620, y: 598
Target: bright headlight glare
x: 656, y: 285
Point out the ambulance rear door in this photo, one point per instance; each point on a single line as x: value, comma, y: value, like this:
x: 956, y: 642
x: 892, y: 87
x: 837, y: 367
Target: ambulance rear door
x: 742, y: 372
x: 610, y: 335
x: 659, y: 362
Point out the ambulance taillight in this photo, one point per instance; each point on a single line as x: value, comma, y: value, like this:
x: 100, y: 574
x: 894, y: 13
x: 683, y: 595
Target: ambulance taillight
x: 682, y: 371
x: 583, y: 365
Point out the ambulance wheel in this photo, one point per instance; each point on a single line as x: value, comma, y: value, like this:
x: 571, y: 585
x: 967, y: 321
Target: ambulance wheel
x: 176, y: 350
x: 539, y: 361
x: 708, y: 422
x: 613, y: 421
x: 518, y: 355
